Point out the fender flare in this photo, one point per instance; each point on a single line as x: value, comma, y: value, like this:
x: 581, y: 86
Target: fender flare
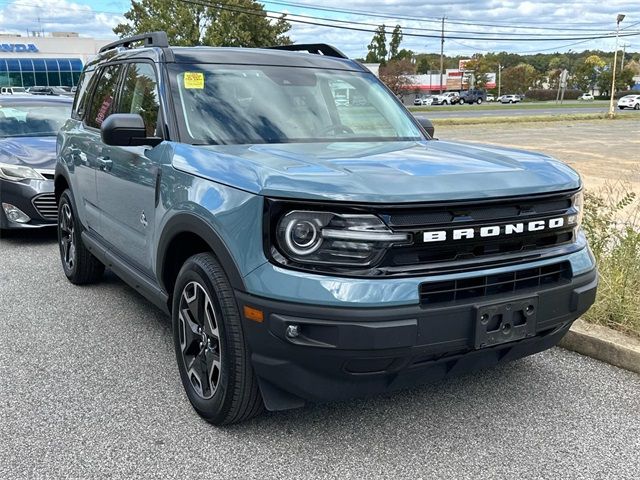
x: 192, y: 223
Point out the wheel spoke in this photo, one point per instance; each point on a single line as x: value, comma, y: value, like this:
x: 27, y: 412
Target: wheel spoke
x: 190, y: 335
x: 210, y: 320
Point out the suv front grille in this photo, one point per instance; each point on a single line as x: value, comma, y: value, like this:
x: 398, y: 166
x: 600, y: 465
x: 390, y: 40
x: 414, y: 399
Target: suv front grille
x: 458, y: 254
x: 499, y: 283
x: 46, y: 206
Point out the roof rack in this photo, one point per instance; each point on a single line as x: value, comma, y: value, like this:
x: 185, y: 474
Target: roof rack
x: 151, y: 39
x: 315, y: 48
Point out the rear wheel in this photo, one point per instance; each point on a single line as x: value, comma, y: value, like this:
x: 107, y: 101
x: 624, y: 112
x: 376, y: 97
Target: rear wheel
x: 212, y: 354
x: 79, y: 264
x: 636, y: 106
x: 621, y: 108
x: 479, y: 101
x: 462, y: 101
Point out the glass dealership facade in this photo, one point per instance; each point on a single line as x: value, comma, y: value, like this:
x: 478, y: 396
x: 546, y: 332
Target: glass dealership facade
x: 28, y: 72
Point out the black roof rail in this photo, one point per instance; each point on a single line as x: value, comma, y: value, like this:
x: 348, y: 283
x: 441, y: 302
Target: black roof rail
x: 151, y: 39
x: 316, y: 48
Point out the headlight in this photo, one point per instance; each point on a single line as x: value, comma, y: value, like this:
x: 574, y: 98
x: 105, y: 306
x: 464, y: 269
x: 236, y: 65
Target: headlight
x: 325, y: 238
x: 16, y: 173
x: 577, y: 203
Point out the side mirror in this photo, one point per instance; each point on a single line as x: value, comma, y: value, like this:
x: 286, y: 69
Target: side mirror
x: 126, y: 130
x: 427, y: 125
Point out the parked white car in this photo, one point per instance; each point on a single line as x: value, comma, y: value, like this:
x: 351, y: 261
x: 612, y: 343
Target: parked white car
x: 13, y: 91
x: 629, y: 101
x: 424, y: 100
x: 510, y: 99
x: 490, y: 97
x: 447, y: 98
x: 586, y: 97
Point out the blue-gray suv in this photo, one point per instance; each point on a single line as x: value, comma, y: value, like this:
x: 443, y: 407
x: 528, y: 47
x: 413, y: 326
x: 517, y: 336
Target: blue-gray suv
x: 310, y: 238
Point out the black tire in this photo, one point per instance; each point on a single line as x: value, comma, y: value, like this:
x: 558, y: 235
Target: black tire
x: 621, y: 108
x: 78, y: 263
x: 461, y: 101
x: 636, y: 106
x: 479, y: 101
x: 212, y: 346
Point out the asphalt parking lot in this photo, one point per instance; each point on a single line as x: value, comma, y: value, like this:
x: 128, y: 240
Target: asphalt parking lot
x: 89, y: 389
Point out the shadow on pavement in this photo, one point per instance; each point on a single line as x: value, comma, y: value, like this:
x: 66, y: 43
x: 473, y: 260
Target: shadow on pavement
x: 34, y: 236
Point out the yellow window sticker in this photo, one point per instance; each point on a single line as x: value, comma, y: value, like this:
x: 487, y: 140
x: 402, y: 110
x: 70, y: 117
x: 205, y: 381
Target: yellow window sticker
x: 194, y: 80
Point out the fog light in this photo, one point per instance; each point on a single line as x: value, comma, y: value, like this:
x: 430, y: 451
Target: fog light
x: 293, y: 331
x: 14, y: 214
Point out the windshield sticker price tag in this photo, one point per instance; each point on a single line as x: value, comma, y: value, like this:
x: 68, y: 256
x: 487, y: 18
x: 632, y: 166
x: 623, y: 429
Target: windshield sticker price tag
x: 194, y: 80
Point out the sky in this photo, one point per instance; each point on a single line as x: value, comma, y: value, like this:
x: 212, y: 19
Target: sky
x: 488, y: 23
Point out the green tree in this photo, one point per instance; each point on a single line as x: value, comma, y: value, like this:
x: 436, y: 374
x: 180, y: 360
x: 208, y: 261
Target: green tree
x: 587, y: 72
x: 235, y: 23
x: 377, y: 49
x: 394, y: 44
x: 423, y: 65
x: 624, y: 80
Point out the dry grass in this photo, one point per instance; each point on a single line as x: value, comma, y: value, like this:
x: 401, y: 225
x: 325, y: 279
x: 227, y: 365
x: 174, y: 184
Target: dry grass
x: 612, y: 224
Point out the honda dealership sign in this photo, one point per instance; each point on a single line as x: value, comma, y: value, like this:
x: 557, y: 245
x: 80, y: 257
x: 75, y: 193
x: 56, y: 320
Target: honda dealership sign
x: 18, y: 47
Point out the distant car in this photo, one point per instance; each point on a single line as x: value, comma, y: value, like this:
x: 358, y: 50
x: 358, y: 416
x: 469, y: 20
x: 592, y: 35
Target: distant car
x: 490, y: 97
x: 424, y: 100
x: 13, y: 91
x: 48, y: 91
x: 510, y: 99
x: 629, y: 101
x: 28, y: 129
x: 447, y: 98
x: 473, y: 96
x: 586, y: 97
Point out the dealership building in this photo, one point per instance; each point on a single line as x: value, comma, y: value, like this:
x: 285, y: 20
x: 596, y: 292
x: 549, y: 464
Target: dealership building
x: 51, y: 60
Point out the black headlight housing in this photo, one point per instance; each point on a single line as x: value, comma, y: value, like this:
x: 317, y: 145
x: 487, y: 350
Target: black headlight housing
x: 327, y: 238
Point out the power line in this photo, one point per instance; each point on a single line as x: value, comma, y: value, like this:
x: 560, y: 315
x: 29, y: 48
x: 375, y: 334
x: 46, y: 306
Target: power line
x: 495, y: 23
x: 266, y: 13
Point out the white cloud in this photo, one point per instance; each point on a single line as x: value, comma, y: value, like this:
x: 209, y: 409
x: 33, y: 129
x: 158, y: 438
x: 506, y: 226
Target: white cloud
x: 21, y: 16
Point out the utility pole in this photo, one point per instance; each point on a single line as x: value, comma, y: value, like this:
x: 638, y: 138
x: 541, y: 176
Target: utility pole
x: 441, y: 54
x: 499, y: 79
x: 619, y: 18
x: 624, y: 52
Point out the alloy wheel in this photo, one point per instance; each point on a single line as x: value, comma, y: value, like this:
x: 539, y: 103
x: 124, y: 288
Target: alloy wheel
x: 200, y: 339
x: 67, y: 242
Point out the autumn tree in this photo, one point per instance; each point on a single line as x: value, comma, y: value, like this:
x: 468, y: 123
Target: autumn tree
x: 481, y: 69
x: 236, y: 23
x: 520, y: 78
x: 395, y: 75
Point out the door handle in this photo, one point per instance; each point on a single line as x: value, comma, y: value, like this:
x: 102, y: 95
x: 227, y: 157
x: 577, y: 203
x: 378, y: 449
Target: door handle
x: 105, y: 163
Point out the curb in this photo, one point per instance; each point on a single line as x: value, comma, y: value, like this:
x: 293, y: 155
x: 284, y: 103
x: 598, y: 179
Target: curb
x: 603, y: 344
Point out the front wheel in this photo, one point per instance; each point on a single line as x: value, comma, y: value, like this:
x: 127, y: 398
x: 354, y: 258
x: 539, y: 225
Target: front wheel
x: 636, y: 106
x: 479, y: 101
x: 461, y: 101
x: 621, y: 108
x: 78, y: 263
x: 212, y: 354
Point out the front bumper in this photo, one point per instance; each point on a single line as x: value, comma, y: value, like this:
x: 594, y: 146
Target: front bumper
x: 21, y: 195
x: 349, y: 352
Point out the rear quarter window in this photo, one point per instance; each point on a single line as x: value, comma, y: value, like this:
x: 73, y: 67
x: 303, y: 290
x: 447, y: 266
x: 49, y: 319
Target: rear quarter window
x: 83, y: 93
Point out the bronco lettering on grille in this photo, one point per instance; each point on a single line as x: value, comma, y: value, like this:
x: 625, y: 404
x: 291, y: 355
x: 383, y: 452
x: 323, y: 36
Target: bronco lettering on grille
x: 493, y: 230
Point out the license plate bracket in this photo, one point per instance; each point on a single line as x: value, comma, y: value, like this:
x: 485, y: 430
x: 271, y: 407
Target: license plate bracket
x: 504, y: 322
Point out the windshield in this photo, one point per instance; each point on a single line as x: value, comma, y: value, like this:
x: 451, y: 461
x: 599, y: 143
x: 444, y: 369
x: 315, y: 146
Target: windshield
x: 239, y: 104
x: 32, y: 119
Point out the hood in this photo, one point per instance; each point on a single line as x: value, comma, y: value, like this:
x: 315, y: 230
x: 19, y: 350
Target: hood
x: 34, y: 152
x: 385, y: 172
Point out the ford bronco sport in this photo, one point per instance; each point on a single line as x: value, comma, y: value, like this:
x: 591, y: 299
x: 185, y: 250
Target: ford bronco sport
x: 309, y: 251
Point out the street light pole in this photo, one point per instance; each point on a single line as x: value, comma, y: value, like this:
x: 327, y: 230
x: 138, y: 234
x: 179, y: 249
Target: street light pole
x: 619, y: 18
